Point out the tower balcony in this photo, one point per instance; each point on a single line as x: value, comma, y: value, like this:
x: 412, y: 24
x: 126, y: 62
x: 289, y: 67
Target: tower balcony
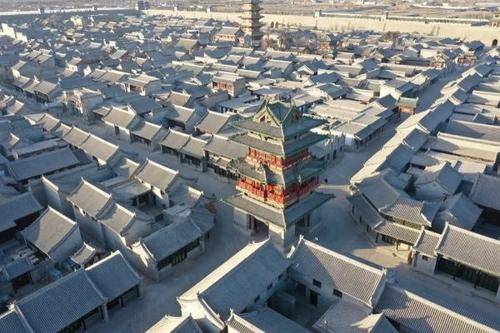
x: 273, y: 161
x: 283, y: 199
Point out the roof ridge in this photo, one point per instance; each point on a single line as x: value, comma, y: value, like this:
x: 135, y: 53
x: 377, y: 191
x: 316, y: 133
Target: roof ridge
x: 49, y: 286
x: 342, y: 256
x: 24, y: 320
x: 102, y: 140
x: 178, y: 132
x: 148, y: 160
x: 233, y: 262
x: 474, y: 234
x: 254, y: 328
x: 84, y: 181
x: 97, y: 290
x: 441, y: 307
x: 74, y: 224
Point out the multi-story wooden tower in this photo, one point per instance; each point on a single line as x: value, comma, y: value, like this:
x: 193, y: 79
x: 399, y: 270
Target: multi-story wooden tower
x: 278, y: 177
x: 250, y: 22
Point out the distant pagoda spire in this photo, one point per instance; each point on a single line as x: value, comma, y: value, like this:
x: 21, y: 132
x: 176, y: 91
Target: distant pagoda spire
x: 250, y: 22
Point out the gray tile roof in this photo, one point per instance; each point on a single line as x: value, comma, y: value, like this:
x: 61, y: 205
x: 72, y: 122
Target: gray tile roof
x: 213, y: 122
x: 10, y: 322
x: 113, y: 276
x: 412, y: 210
x: 281, y: 130
x: 427, y: 242
x: 129, y: 189
x: 458, y: 210
x: 236, y: 283
x: 61, y: 303
x: 185, y: 43
x: 65, y: 301
x: 203, y: 218
x: 461, y: 146
x: 90, y: 198
x: 252, y: 141
x: 396, y: 203
x: 175, y: 140
x: 17, y: 268
x: 228, y: 31
x: 174, y: 237
x: 156, y: 174
x: 147, y: 130
x: 432, y: 119
x: 473, y: 130
x: 443, y: 174
x: 263, y: 320
x: 423, y: 316
x: 99, y: 148
x: 120, y: 117
x: 67, y: 181
x: 178, y: 98
x: 143, y: 104
x: 398, y: 181
x: 117, y: 218
x: 102, y: 110
x: 342, y: 316
x: 180, y: 113
x: 175, y: 325
x: 470, y: 249
x: 38, y: 165
x: 125, y: 167
x: 185, y: 195
x: 415, y: 139
x: 379, y: 192
x: 48, y: 122
x: 49, y: 231
x: 334, y: 270
x: 17, y: 207
x: 225, y: 147
x: 46, y: 87
x: 22, y: 149
x: 194, y: 147
x: 347, y: 316
x: 397, y: 231
x: 398, y: 158
x: 375, y: 323
x: 84, y: 254
x: 368, y: 212
x: 76, y: 136
x: 486, y: 192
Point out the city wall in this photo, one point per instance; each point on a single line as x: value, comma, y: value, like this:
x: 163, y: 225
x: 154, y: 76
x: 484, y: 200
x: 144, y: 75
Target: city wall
x: 486, y: 34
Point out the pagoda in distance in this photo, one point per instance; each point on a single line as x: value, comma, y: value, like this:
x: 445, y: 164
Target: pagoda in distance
x: 278, y: 177
x: 250, y: 22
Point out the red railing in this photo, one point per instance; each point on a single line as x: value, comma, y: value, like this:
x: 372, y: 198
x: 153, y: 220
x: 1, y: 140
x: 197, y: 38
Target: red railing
x: 251, y: 189
x: 267, y: 192
x: 276, y: 161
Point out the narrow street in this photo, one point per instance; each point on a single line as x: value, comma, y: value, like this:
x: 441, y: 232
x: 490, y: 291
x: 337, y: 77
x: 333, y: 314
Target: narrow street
x: 160, y: 298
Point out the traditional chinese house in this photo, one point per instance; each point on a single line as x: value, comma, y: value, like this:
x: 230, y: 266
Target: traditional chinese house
x: 278, y: 176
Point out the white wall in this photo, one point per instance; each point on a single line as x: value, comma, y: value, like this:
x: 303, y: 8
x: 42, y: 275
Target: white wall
x: 426, y: 266
x: 72, y: 243
x: 89, y: 226
x: 240, y: 218
x: 486, y: 34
